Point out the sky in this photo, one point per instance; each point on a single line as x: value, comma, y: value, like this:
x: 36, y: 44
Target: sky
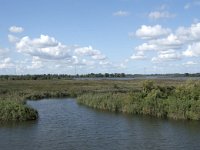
x: 99, y: 36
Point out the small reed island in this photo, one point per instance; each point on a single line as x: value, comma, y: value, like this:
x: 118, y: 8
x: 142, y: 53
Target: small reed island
x: 16, y: 111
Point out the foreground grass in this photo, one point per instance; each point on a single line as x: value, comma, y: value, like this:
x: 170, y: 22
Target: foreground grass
x: 15, y: 111
x: 180, y: 102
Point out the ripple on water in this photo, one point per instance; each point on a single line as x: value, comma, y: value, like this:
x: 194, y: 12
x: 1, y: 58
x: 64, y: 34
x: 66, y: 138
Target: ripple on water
x: 63, y: 124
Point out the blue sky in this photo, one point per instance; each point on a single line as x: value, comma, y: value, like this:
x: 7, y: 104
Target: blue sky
x: 131, y: 36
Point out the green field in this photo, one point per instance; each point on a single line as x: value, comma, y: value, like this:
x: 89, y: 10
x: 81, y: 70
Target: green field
x: 177, y: 99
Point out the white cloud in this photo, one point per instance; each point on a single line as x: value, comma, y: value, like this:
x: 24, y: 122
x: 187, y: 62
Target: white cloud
x: 36, y: 63
x: 193, y: 50
x: 3, y: 51
x: 89, y: 51
x: 121, y: 13
x: 170, y: 42
x: 122, y: 66
x: 184, y: 41
x: 151, y: 32
x: 44, y: 47
x: 87, y: 62
x: 110, y: 65
x: 105, y: 62
x: 146, y: 47
x: 189, y: 63
x: 82, y: 62
x: 75, y: 60
x: 138, y: 56
x: 15, y: 29
x: 99, y: 57
x: 188, y: 34
x: 6, y: 63
x: 160, y: 15
x: 169, y: 55
x: 46, y: 52
x: 12, y: 38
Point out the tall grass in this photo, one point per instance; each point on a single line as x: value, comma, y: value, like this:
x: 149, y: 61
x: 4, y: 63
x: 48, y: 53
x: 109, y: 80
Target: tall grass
x: 131, y: 96
x: 181, y: 102
x: 15, y: 111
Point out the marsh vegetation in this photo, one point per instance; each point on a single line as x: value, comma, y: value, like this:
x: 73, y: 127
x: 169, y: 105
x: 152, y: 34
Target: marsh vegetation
x: 15, y: 111
x: 177, y: 99
x: 177, y: 102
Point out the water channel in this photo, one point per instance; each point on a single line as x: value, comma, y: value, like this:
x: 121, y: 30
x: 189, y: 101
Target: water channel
x: 63, y: 125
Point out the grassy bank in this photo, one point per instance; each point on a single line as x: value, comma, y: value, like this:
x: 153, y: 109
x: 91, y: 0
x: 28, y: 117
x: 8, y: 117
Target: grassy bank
x: 161, y: 98
x: 14, y: 93
x: 177, y: 102
x: 15, y: 111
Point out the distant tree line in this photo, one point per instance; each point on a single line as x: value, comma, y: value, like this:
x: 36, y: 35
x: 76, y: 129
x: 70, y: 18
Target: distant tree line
x: 61, y: 76
x: 92, y: 75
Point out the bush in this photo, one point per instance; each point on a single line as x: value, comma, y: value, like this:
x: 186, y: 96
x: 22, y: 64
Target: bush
x: 13, y: 111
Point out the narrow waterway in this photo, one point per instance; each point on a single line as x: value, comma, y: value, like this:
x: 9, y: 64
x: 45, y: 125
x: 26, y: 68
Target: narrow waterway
x: 65, y: 125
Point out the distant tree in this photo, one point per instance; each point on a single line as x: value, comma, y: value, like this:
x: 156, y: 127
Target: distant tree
x: 106, y: 75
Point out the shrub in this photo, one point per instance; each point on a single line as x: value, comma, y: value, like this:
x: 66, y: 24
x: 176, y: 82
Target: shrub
x: 10, y: 110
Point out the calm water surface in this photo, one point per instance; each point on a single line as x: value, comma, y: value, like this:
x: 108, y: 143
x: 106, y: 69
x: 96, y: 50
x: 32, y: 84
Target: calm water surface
x: 65, y: 125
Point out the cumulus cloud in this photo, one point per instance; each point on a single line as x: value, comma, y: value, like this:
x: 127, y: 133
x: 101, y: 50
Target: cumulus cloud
x: 138, y: 56
x: 190, y: 63
x: 151, y: 32
x: 105, y: 62
x: 15, y: 29
x: 121, y: 13
x: 188, y: 34
x: 146, y: 47
x: 184, y: 41
x: 122, y: 66
x: 45, y: 54
x: 170, y: 42
x: 89, y: 51
x: 87, y: 62
x: 43, y: 47
x: 160, y: 15
x: 193, y: 50
x: 169, y: 55
x: 46, y: 51
x: 99, y: 57
x: 82, y: 62
x: 6, y: 63
x: 36, y: 63
x: 3, y: 51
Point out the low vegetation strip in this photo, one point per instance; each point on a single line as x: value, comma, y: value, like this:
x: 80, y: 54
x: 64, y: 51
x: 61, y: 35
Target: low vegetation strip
x: 180, y: 102
x: 15, y: 111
